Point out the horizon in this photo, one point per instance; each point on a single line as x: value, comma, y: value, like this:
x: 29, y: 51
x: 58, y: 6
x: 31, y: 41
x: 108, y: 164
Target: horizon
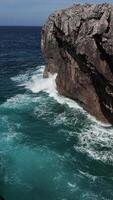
x: 21, y: 25
x: 35, y: 13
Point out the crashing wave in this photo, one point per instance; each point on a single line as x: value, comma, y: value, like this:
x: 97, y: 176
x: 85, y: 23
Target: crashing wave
x: 96, y: 138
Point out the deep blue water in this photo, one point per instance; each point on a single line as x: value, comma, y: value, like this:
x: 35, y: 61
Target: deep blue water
x: 50, y: 149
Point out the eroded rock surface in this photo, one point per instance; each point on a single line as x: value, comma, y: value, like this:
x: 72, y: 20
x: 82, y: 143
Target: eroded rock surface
x: 78, y: 45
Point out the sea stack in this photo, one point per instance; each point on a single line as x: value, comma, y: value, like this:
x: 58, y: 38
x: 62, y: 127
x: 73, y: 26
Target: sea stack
x: 77, y: 43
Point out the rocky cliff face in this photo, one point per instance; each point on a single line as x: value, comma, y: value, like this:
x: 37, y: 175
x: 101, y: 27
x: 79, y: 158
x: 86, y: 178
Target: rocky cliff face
x: 78, y: 45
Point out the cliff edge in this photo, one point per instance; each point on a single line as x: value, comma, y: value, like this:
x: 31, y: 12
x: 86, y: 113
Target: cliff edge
x: 77, y: 43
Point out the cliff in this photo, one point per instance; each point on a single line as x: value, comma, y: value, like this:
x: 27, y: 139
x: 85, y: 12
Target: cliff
x: 77, y: 43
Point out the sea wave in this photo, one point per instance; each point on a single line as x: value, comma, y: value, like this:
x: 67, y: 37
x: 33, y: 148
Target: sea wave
x: 97, y: 141
x: 35, y: 82
x: 95, y: 138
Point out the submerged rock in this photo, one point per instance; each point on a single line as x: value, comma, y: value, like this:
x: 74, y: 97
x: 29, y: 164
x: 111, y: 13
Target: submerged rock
x: 78, y: 45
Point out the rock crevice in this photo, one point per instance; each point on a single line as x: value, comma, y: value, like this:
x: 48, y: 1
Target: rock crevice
x: 77, y: 43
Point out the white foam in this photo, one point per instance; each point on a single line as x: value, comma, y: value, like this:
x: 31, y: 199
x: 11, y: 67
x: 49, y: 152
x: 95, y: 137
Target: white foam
x: 71, y: 185
x: 36, y: 83
x: 25, y: 77
x: 20, y: 101
x: 92, y: 118
x: 97, y: 141
x: 95, y: 136
x: 9, y: 134
x: 20, y: 78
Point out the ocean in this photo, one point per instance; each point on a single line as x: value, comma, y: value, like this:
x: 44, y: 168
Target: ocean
x: 50, y: 148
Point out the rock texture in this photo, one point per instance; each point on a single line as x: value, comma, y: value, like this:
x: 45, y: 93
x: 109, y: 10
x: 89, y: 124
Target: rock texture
x: 78, y: 45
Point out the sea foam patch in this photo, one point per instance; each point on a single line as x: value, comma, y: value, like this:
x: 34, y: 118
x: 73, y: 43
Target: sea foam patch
x: 96, y: 138
x: 34, y: 81
x: 97, y: 141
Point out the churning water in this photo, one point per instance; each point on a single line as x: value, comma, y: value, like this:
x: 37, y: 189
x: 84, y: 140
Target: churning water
x: 50, y: 148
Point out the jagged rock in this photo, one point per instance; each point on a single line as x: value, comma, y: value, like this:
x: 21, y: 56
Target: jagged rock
x: 78, y: 45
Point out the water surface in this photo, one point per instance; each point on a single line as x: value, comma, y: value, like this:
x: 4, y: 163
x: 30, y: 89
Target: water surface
x: 50, y: 148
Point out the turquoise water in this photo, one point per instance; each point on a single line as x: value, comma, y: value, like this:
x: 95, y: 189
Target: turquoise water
x: 50, y: 148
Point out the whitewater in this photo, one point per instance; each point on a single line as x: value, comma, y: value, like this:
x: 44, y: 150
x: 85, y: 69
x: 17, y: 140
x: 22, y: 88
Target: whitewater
x: 81, y: 134
x: 94, y: 135
x: 50, y: 147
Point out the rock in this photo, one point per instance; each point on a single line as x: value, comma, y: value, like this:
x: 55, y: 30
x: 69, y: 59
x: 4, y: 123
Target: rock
x: 77, y: 43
